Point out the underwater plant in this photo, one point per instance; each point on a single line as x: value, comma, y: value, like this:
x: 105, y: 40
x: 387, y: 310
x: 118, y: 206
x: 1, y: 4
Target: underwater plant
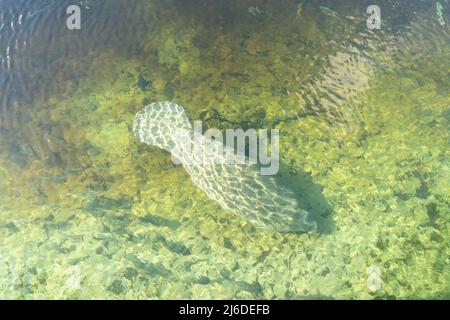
x: 299, y: 8
x: 328, y: 12
x: 255, y: 11
x: 440, y: 13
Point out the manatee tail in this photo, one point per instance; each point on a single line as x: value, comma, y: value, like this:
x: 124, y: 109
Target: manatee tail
x: 157, y: 123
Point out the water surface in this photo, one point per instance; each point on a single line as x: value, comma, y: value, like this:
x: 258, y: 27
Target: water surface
x: 87, y: 212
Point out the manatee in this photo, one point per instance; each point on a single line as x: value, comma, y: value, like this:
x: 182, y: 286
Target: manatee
x: 237, y: 187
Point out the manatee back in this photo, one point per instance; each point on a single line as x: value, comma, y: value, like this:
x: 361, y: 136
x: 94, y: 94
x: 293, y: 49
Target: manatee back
x: 156, y: 124
x: 236, y: 187
x: 240, y: 188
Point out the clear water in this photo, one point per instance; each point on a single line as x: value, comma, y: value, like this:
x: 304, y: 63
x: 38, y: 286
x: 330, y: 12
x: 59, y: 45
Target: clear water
x: 88, y: 212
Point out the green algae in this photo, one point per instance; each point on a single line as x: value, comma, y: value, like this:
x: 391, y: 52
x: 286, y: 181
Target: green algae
x: 134, y: 226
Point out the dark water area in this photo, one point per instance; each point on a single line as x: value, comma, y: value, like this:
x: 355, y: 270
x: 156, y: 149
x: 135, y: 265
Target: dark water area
x: 38, y: 49
x: 36, y: 45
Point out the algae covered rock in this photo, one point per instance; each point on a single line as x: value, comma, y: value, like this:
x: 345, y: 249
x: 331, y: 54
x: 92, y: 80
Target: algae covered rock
x: 112, y: 138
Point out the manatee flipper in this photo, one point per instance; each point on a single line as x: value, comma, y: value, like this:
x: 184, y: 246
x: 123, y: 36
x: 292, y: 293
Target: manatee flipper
x: 237, y: 187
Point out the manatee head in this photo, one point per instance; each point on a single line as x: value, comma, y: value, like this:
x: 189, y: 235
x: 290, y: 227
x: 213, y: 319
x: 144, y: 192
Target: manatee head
x: 156, y: 124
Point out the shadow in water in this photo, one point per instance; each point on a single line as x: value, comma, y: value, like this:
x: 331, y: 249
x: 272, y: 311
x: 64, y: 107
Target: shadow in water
x: 310, y: 196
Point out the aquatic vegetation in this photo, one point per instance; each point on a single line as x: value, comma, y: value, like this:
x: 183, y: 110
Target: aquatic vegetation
x: 255, y: 11
x: 82, y: 200
x: 440, y: 13
x: 299, y: 8
x: 112, y: 138
x: 328, y: 12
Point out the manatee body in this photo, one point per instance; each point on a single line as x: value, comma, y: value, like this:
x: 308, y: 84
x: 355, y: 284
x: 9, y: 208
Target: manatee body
x: 238, y: 187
